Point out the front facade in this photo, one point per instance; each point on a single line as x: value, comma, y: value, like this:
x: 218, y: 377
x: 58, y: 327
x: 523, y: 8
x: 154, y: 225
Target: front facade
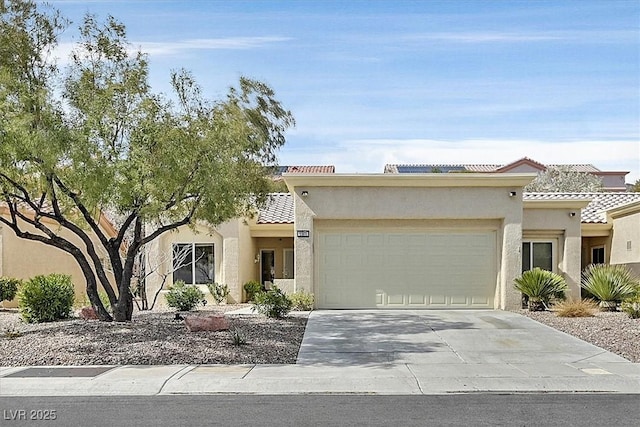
x: 415, y: 241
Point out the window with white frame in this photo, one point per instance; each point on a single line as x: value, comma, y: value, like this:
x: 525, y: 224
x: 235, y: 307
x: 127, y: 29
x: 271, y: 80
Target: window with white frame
x: 288, y: 265
x: 537, y: 254
x: 193, y: 263
x: 597, y: 255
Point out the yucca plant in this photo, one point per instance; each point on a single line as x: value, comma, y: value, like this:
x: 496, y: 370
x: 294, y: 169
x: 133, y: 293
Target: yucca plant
x: 609, y: 284
x: 540, y: 286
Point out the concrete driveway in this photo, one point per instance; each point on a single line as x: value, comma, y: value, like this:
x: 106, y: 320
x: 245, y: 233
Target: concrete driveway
x: 451, y: 337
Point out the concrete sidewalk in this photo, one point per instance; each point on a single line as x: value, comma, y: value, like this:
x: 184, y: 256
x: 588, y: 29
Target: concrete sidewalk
x: 405, y: 378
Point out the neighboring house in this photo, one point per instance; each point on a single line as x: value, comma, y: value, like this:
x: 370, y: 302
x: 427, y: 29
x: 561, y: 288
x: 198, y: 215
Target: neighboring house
x: 611, y: 180
x: 610, y: 226
x: 22, y: 259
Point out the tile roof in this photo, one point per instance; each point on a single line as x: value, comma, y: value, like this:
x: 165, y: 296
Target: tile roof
x: 426, y: 168
x: 278, y: 210
x: 306, y: 169
x: 595, y: 212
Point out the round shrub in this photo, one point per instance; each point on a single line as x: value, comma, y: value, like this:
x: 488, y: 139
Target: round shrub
x: 609, y: 284
x: 272, y: 303
x: 540, y: 286
x: 631, y: 306
x: 46, y: 298
x: 184, y: 297
x: 301, y: 301
x: 8, y: 288
x: 251, y: 288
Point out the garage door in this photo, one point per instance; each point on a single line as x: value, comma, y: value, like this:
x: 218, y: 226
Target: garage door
x: 406, y: 269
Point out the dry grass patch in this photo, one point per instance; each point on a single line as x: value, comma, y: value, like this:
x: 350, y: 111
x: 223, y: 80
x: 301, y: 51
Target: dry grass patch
x: 578, y: 308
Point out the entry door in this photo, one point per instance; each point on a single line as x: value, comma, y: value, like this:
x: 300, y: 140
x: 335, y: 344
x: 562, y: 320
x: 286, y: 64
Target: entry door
x: 267, y: 265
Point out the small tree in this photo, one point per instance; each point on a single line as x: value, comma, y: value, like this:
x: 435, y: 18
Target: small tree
x: 95, y: 139
x: 563, y: 179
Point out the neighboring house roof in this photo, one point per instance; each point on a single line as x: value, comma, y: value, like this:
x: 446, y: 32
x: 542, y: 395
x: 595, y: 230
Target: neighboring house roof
x: 595, y: 212
x: 444, y: 168
x: 305, y: 169
x: 278, y: 210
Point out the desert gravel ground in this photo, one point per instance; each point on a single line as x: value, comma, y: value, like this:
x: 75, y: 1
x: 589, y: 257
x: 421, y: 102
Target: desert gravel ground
x: 153, y: 338
x: 613, y: 331
x: 156, y: 338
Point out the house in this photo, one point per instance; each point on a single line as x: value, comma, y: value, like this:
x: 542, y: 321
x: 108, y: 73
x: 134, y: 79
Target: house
x: 611, y: 180
x: 23, y: 259
x: 414, y: 240
x: 259, y: 248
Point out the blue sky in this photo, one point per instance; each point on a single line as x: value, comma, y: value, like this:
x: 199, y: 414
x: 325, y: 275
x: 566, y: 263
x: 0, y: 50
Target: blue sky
x: 376, y: 82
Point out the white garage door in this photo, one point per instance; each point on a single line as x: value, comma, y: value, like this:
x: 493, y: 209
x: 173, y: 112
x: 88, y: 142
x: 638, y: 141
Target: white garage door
x: 406, y: 269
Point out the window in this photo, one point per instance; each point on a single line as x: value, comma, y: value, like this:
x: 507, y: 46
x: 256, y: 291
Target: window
x: 193, y: 263
x: 289, y: 265
x: 537, y: 254
x: 597, y: 255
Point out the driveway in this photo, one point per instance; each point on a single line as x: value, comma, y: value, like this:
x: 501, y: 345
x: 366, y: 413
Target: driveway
x: 447, y: 337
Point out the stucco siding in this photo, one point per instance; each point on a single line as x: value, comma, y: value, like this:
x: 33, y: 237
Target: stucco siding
x: 625, y: 239
x: 559, y: 225
x: 397, y: 204
x: 23, y: 259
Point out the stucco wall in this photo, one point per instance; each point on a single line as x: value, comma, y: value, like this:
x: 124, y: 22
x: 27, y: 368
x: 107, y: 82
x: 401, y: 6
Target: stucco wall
x: 565, y: 229
x: 625, y: 240
x: 23, y: 259
x: 227, y: 256
x: 402, y: 203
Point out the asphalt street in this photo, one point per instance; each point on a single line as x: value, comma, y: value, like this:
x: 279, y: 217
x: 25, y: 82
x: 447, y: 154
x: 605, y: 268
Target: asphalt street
x: 324, y: 410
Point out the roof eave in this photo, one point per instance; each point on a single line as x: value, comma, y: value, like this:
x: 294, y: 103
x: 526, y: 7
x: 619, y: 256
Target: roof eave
x: 408, y: 180
x: 557, y: 204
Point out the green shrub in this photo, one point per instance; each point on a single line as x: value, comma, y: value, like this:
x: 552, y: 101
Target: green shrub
x: 218, y: 291
x: 540, y: 286
x: 301, y: 301
x: 238, y: 337
x: 251, y: 288
x: 46, y: 298
x: 184, y: 297
x: 272, y: 303
x: 609, y: 284
x: 631, y: 306
x: 83, y: 301
x: 8, y: 288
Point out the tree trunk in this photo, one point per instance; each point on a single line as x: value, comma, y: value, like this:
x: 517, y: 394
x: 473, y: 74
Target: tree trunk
x: 123, y: 310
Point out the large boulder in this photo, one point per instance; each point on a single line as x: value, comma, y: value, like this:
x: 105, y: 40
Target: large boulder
x: 216, y: 322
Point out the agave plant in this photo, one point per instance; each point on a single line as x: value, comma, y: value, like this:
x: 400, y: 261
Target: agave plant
x: 540, y: 286
x: 609, y: 284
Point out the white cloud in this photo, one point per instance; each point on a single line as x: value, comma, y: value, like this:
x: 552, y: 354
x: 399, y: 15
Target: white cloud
x: 154, y: 49
x: 370, y: 155
x: 228, y: 43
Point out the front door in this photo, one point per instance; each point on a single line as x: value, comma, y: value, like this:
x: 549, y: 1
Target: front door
x: 267, y: 266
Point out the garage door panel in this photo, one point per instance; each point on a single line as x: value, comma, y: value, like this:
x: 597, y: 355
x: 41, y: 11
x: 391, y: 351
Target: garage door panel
x: 406, y: 269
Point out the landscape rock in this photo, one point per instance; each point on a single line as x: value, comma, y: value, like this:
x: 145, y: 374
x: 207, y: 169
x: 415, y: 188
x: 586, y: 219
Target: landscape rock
x: 88, y: 313
x: 216, y: 322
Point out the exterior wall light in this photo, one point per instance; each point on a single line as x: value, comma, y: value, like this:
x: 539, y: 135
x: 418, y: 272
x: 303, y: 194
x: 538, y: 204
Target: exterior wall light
x: 512, y: 194
x: 304, y: 193
x: 572, y: 214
